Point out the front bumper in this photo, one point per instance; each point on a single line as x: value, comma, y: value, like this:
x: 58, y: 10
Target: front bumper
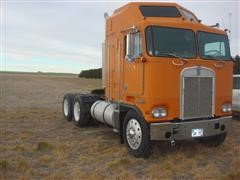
x: 183, y: 130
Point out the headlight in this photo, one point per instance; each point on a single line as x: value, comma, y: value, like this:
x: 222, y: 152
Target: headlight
x: 159, y: 112
x: 229, y: 108
x: 226, y: 108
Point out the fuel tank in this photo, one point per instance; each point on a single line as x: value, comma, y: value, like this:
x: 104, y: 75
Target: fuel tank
x: 103, y: 112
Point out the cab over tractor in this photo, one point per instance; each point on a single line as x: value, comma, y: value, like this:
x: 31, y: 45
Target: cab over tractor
x: 166, y: 76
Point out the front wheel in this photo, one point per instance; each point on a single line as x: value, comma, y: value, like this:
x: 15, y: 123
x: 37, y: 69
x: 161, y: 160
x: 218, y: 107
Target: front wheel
x: 136, y: 134
x: 213, y: 141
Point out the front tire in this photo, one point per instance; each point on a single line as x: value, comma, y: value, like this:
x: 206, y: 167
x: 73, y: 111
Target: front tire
x: 136, y: 134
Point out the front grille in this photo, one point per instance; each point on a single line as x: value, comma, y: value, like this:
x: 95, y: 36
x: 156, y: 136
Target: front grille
x: 206, y: 94
x: 191, y: 93
x: 197, y: 97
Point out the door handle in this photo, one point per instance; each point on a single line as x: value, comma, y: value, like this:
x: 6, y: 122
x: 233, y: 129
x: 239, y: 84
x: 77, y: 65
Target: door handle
x: 182, y: 63
x: 219, y: 64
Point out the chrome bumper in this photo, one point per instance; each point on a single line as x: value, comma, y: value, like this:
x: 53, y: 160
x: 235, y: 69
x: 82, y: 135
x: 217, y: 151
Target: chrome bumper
x: 183, y: 130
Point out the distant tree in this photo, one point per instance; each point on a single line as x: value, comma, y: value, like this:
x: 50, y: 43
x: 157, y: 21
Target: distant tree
x: 237, y: 65
x: 91, y: 73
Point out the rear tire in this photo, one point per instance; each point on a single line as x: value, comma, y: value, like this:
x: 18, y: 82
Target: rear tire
x: 213, y: 141
x: 136, y: 134
x: 81, y: 109
x: 78, y: 112
x: 67, y: 106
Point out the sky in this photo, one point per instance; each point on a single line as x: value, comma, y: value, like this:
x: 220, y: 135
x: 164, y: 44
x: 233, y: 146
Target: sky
x: 67, y: 36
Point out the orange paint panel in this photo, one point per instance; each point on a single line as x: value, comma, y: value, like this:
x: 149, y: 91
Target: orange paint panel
x: 133, y: 78
x: 156, y: 82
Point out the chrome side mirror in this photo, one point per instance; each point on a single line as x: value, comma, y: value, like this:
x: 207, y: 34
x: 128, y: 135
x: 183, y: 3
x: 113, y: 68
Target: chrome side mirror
x: 133, y: 45
x: 130, y: 47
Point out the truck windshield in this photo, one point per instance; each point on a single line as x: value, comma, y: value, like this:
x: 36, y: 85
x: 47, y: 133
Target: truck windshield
x: 213, y: 46
x: 162, y: 41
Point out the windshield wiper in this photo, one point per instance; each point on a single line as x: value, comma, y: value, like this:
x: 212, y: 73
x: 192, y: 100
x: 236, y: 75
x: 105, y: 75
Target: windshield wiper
x: 173, y: 55
x: 214, y: 57
x: 177, y: 56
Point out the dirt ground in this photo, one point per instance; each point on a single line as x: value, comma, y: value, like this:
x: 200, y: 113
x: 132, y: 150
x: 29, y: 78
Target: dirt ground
x: 36, y: 142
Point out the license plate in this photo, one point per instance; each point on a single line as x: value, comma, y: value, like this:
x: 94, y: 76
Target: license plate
x: 197, y: 132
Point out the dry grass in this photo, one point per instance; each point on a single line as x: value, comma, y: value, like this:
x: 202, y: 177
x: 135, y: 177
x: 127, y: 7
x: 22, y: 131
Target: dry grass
x: 4, y: 164
x: 36, y: 142
x: 44, y: 146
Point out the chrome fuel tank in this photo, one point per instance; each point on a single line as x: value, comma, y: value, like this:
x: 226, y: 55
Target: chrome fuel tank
x: 103, y: 111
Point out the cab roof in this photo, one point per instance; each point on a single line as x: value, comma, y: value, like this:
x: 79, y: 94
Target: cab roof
x: 131, y: 14
x: 137, y: 4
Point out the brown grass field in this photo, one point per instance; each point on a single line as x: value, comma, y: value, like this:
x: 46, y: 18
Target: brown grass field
x: 36, y: 142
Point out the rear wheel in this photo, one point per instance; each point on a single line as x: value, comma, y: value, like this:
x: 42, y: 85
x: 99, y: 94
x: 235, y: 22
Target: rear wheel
x: 67, y: 105
x: 81, y: 109
x: 213, y: 141
x: 78, y: 111
x: 136, y: 134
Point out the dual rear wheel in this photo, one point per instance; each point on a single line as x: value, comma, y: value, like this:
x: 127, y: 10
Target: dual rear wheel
x: 76, y: 107
x: 67, y: 106
x: 81, y: 113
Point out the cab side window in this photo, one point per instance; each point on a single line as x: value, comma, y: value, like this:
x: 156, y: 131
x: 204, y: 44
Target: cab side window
x: 138, y: 45
x: 188, y: 15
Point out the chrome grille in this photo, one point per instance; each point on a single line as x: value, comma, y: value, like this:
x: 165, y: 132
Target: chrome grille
x: 197, y: 94
x: 191, y: 93
x: 205, y: 98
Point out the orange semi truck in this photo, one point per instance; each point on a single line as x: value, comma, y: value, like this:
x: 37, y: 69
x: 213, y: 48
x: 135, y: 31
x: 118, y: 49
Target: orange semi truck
x: 166, y: 76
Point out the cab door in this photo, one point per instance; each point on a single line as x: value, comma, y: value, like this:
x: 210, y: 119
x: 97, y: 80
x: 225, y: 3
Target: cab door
x: 133, y: 69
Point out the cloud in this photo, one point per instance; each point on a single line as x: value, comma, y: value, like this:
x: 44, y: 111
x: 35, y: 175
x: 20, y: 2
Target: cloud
x: 72, y: 33
x: 49, y: 48
x: 69, y: 32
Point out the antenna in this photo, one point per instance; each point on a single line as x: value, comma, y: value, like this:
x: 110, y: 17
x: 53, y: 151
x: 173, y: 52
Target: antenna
x: 106, y: 15
x: 230, y: 24
x: 224, y: 25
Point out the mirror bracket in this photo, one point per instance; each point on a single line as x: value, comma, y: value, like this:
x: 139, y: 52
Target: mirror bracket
x: 130, y: 30
x: 129, y: 58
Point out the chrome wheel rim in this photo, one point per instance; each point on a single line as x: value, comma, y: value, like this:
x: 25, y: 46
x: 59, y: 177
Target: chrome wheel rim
x: 65, y: 107
x: 134, y: 134
x: 76, y: 111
